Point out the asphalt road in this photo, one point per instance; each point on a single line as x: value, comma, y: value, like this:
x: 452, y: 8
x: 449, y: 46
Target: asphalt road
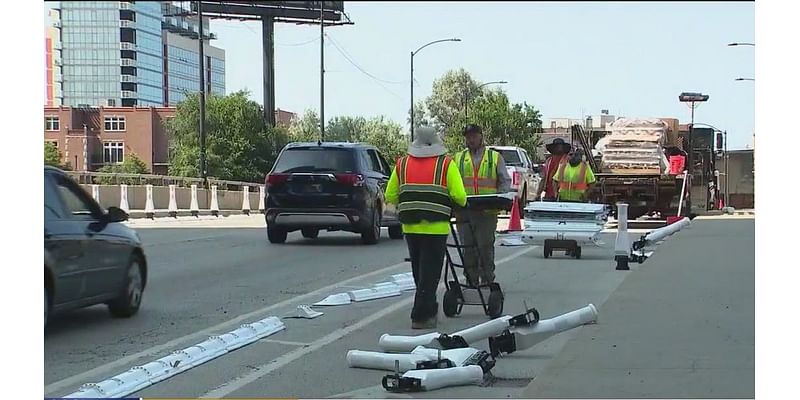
x: 209, y: 277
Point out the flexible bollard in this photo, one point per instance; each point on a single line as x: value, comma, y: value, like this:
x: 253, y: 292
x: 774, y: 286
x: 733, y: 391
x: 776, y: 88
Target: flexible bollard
x: 622, y: 245
x: 149, y: 208
x: 384, y: 361
x: 261, y: 194
x: 246, y: 200
x: 194, y: 208
x: 173, y: 203
x: 460, y: 339
x: 96, y: 193
x: 214, y: 202
x: 123, y: 198
x: 432, y: 379
x: 521, y: 338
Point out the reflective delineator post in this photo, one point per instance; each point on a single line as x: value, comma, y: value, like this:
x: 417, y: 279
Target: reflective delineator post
x: 173, y: 202
x: 246, y: 200
x: 622, y: 246
x: 149, y: 208
x: 194, y: 208
x: 123, y: 198
x: 214, y: 202
x: 96, y: 193
x: 261, y: 208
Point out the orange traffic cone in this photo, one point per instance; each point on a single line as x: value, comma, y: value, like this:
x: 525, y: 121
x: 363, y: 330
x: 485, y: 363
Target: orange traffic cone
x: 515, y: 223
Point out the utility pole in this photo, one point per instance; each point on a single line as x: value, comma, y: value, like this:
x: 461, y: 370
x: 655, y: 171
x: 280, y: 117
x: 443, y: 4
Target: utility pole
x: 412, y: 96
x: 727, y: 176
x: 203, y: 171
x: 322, y: 71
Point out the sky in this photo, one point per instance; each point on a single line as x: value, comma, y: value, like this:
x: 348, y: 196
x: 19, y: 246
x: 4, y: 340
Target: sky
x: 568, y: 59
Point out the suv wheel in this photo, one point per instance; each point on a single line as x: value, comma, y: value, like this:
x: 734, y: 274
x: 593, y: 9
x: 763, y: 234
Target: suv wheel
x: 396, y: 231
x: 128, y: 302
x: 276, y: 235
x: 373, y: 233
x: 46, y: 306
x: 310, y: 233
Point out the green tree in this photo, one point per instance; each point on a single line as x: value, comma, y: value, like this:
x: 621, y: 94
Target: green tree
x: 387, y: 136
x: 52, y: 156
x: 503, y: 122
x: 238, y: 144
x: 305, y: 128
x: 131, y: 165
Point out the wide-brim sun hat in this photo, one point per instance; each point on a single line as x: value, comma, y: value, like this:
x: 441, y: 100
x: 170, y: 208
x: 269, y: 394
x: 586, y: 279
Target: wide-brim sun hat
x: 427, y: 143
x: 558, y: 142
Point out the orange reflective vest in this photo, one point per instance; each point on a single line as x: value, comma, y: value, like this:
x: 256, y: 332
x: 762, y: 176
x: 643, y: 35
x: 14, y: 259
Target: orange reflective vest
x: 423, y: 189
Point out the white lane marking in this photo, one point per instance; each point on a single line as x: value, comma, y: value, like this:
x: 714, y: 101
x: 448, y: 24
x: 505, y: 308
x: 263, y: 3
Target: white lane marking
x: 286, y: 342
x: 109, y: 367
x: 264, y: 369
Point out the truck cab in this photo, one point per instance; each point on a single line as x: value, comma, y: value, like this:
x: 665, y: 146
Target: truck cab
x: 523, y: 172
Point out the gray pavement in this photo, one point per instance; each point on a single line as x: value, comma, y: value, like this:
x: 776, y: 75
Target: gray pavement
x: 209, y: 276
x: 682, y: 326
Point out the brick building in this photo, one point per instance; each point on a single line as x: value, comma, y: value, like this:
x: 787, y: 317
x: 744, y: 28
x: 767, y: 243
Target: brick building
x: 89, y: 138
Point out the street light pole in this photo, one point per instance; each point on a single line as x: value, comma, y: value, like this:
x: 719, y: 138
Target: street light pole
x: 741, y: 44
x: 692, y: 99
x: 469, y: 94
x: 727, y: 175
x: 413, y: 53
x: 203, y: 169
x: 746, y: 79
x: 321, y: 71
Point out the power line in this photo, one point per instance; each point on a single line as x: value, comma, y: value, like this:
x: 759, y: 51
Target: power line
x: 376, y: 79
x: 350, y: 59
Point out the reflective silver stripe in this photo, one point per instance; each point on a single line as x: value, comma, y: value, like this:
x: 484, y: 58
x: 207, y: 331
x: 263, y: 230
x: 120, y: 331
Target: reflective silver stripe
x: 423, y: 206
x: 413, y: 187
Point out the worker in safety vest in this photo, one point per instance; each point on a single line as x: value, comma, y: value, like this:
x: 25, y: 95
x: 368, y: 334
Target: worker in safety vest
x: 426, y: 185
x: 484, y: 172
x: 559, y: 154
x: 573, y: 178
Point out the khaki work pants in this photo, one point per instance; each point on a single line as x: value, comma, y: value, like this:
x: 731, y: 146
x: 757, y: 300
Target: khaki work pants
x: 484, y: 227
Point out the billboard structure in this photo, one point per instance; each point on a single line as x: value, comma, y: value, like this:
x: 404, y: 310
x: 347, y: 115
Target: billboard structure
x: 326, y: 13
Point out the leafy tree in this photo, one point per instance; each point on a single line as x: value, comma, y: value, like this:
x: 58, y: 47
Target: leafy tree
x: 131, y: 165
x: 52, y: 156
x: 305, y: 128
x: 238, y: 144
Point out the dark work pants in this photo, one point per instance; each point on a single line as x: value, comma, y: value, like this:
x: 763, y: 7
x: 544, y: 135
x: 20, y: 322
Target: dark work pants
x: 427, y: 258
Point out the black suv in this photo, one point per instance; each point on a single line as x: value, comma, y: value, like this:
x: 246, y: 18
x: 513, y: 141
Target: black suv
x: 331, y: 186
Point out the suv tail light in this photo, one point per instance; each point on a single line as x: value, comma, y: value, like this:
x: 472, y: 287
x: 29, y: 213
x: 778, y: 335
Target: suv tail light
x: 274, y: 179
x: 350, y: 179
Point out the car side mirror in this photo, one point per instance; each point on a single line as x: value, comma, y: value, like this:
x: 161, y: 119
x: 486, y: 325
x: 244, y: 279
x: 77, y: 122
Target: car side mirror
x: 115, y: 214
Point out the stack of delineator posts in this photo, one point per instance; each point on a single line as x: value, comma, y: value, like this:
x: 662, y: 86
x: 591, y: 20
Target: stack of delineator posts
x: 580, y: 222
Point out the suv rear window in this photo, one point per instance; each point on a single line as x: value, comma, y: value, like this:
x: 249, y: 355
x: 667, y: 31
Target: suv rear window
x: 511, y: 157
x: 315, y: 159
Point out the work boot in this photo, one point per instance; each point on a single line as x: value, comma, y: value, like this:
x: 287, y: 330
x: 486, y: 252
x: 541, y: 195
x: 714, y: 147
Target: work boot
x: 429, y: 323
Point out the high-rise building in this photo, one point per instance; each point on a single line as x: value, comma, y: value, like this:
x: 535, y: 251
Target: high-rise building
x: 125, y: 53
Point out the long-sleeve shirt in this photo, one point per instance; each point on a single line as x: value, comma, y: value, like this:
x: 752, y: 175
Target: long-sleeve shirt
x: 455, y: 187
x: 503, y: 179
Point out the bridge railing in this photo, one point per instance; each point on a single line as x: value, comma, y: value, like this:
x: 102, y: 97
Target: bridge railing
x: 106, y: 178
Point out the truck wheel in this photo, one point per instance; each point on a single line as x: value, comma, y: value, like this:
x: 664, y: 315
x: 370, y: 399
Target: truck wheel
x: 523, y: 201
x: 396, y: 232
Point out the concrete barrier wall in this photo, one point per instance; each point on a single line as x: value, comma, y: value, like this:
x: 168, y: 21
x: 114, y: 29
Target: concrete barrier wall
x: 137, y: 197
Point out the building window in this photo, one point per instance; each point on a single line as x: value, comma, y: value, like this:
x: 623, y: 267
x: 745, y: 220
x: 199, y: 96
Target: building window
x: 113, y: 152
x: 115, y: 124
x: 51, y: 123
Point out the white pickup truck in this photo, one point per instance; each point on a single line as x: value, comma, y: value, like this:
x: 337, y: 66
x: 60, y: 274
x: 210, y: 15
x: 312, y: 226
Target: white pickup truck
x: 523, y: 172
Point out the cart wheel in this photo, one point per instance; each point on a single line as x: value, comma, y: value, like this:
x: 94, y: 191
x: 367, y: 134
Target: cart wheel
x: 495, y: 304
x: 450, y: 303
x: 577, y: 252
x: 547, y: 251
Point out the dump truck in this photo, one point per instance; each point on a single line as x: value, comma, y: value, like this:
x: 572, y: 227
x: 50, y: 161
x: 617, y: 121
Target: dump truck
x: 637, y: 161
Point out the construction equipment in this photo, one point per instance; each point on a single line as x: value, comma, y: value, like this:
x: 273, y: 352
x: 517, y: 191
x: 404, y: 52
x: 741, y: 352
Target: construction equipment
x: 563, y: 226
x: 634, y: 166
x: 487, y: 295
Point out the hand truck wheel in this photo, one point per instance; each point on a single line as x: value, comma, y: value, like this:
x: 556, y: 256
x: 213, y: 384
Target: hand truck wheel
x: 450, y: 302
x: 547, y: 251
x: 495, y: 304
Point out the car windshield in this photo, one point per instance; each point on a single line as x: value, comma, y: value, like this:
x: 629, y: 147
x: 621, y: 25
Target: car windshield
x: 317, y: 159
x: 511, y: 157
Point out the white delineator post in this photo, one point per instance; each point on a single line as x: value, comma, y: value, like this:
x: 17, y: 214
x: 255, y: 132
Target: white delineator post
x: 96, y: 193
x: 246, y: 200
x: 123, y: 198
x: 622, y: 246
x: 149, y: 208
x: 214, y: 202
x: 261, y: 194
x: 173, y: 202
x: 194, y: 208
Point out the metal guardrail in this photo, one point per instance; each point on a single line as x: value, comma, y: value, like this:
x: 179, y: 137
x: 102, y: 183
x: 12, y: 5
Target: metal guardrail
x: 106, y: 178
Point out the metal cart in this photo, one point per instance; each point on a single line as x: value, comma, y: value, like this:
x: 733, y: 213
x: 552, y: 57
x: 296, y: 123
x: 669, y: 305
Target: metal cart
x: 489, y: 296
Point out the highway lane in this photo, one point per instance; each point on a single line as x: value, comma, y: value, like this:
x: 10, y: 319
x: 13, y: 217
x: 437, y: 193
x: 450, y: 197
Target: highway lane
x: 201, y: 277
